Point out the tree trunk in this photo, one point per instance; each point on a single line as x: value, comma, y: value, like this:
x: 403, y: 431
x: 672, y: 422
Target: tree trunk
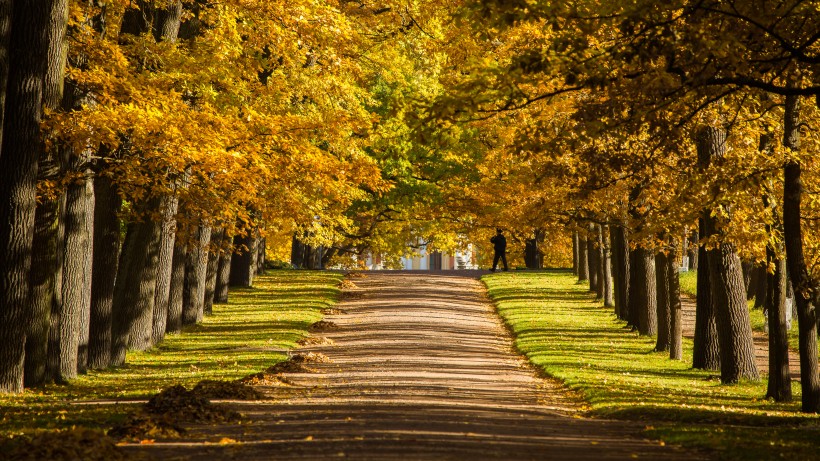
x: 135, y: 289
x: 46, y: 278
x: 241, y: 274
x: 643, y: 296
x: 805, y: 289
x: 76, y: 288
x: 223, y: 277
x: 105, y: 262
x: 601, y: 260
x: 165, y: 265
x: 28, y: 51
x: 176, y: 293
x: 779, y: 385
x: 196, y: 267
x: 706, y: 352
x: 754, y: 276
x: 262, y: 259
x: 592, y: 259
x: 583, y: 260
x: 575, y: 253
x: 606, y: 240
x: 675, y: 321
x: 620, y: 246
x: 748, y: 269
x: 217, y: 236
x: 694, y: 251
x: 664, y: 311
x: 737, y: 357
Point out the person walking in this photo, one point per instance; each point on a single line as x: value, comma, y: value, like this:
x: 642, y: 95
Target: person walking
x: 500, y: 249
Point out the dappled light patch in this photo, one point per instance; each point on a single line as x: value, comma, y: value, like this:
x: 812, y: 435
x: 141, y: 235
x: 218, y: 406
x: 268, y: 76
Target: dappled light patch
x: 68, y: 445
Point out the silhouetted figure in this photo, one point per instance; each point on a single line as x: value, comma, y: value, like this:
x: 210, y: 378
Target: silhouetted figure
x: 500, y: 246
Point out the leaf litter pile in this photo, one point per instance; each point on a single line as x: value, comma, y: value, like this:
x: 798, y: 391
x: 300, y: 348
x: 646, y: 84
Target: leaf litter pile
x: 74, y: 444
x: 298, y: 363
x: 322, y: 325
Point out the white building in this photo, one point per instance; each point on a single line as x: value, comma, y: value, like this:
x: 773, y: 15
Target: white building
x: 432, y: 261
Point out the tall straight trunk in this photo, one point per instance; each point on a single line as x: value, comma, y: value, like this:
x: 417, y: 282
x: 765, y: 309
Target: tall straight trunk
x: 261, y: 259
x: 620, y: 264
x: 600, y: 259
x: 737, y: 358
x: 169, y: 208
x: 223, y: 277
x: 241, y: 274
x: 583, y: 260
x: 592, y: 258
x: 779, y: 385
x: 46, y: 289
x: 217, y: 236
x: 664, y: 310
x: 85, y: 312
x: 135, y: 289
x: 176, y: 291
x: 675, y: 321
x: 609, y: 299
x: 805, y: 289
x: 28, y: 49
x: 254, y: 255
x: 760, y: 288
x: 105, y: 262
x: 705, y: 352
x: 643, y: 296
x: 193, y: 307
x: 575, y: 253
x: 46, y: 278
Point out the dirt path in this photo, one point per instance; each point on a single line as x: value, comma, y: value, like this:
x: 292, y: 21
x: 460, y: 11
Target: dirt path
x: 421, y: 368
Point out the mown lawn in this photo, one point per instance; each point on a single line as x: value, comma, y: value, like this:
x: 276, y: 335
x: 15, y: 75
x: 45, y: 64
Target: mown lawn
x: 250, y: 333
x: 571, y: 337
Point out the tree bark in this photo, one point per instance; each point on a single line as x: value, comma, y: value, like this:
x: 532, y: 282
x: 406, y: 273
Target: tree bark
x: 262, y: 259
x: 664, y: 311
x: 779, y: 385
x: 46, y: 278
x: 675, y: 321
x: 575, y: 253
x: 105, y: 264
x: 223, y: 277
x: 761, y: 289
x: 583, y: 260
x: 135, y: 289
x: 165, y: 265
x: 694, y: 251
x: 592, y: 259
x: 706, y: 352
x: 28, y: 50
x: 620, y: 246
x: 605, y: 241
x: 193, y: 308
x: 601, y: 260
x: 241, y: 274
x: 217, y: 236
x: 805, y: 289
x: 75, y: 311
x: 643, y: 296
x: 176, y: 293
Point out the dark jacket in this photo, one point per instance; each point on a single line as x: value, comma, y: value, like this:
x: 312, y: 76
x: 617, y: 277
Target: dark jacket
x: 499, y: 243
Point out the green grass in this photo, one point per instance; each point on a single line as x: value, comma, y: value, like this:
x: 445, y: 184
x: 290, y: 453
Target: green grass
x: 247, y: 335
x: 566, y: 333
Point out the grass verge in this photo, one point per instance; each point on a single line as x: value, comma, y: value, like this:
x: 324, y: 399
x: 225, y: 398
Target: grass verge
x: 566, y: 333
x: 250, y: 333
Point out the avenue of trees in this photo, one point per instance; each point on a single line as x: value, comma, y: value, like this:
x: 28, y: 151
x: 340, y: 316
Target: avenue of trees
x: 152, y: 150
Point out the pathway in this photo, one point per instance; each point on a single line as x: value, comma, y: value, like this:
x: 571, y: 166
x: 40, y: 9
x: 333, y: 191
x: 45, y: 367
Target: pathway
x: 421, y: 368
